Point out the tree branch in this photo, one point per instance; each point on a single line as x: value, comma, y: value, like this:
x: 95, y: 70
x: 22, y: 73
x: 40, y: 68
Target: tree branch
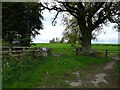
x: 98, y: 22
x: 95, y: 9
x: 53, y: 8
x: 70, y: 9
x: 53, y: 22
x: 101, y: 19
x: 68, y: 6
x: 80, y: 5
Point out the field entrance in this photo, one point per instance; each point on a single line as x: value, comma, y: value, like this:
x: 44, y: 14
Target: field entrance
x: 103, y: 50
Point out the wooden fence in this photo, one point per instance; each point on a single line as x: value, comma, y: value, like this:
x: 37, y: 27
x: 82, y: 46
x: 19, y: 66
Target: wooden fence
x: 19, y: 51
x: 108, y: 52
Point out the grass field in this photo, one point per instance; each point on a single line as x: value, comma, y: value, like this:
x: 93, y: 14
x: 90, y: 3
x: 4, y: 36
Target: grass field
x: 52, y: 71
x: 111, y: 49
x: 67, y: 46
x: 53, y: 45
x: 57, y: 47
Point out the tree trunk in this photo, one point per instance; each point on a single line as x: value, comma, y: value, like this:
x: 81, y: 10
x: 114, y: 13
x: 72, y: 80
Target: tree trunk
x: 86, y: 36
x: 86, y: 42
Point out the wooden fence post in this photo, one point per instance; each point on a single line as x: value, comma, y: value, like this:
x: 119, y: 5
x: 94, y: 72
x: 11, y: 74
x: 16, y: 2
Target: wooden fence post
x: 106, y: 53
x: 10, y: 51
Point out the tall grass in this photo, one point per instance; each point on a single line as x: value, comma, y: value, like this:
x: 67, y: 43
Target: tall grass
x: 28, y: 72
x: 31, y: 71
x: 17, y: 70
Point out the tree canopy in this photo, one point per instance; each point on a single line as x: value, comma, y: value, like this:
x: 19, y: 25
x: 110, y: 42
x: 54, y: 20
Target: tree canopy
x: 21, y: 22
x: 89, y: 15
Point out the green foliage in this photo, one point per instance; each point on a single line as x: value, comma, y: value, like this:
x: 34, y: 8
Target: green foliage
x: 52, y: 41
x: 62, y: 40
x: 4, y: 43
x: 21, y: 22
x: 17, y: 70
x: 72, y: 31
x: 57, y: 40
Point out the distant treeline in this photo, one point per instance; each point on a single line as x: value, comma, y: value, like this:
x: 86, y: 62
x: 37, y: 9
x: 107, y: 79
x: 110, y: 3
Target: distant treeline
x: 92, y: 44
x: 106, y: 44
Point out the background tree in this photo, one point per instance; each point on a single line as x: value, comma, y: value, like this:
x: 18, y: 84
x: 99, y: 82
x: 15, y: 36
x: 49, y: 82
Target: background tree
x: 62, y: 40
x: 57, y: 40
x: 21, y: 21
x: 72, y: 32
x: 52, y: 41
x: 89, y: 15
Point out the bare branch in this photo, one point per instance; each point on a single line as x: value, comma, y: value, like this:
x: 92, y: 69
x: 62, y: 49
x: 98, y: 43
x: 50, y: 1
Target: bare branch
x: 58, y: 9
x: 53, y: 8
x: 53, y: 22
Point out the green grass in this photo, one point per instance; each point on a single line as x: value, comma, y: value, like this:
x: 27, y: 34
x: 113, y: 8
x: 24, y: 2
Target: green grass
x: 62, y: 47
x: 106, y: 44
x: 57, y: 48
x: 49, y: 71
x: 53, y: 45
x: 18, y: 70
x: 112, y: 49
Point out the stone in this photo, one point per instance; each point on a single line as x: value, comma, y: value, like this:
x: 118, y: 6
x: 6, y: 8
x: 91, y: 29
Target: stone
x: 44, y: 51
x: 75, y: 84
x: 77, y: 74
x: 99, y: 78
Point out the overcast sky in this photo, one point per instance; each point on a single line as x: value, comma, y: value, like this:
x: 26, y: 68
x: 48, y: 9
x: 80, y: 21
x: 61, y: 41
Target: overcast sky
x: 49, y: 32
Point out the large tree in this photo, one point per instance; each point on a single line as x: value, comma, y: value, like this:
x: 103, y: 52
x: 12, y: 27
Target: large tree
x: 89, y: 16
x: 21, y: 21
x: 72, y: 32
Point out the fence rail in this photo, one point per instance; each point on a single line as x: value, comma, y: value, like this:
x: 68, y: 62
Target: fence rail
x: 20, y: 51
